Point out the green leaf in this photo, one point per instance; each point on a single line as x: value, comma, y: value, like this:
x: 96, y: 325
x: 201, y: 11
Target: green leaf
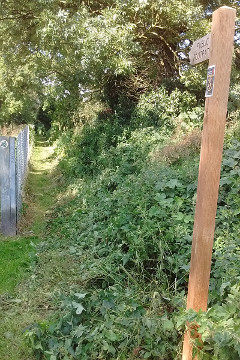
x: 154, y: 211
x: 38, y: 345
x: 80, y: 296
x: 168, y: 325
x: 160, y: 196
x: 108, y: 304
x: 111, y: 335
x: 79, y: 308
x: 147, y: 355
x: 79, y: 330
x: 224, y: 286
x: 225, y: 181
x: 174, y: 183
x: 229, y: 162
x: 109, y: 348
x: 179, y: 216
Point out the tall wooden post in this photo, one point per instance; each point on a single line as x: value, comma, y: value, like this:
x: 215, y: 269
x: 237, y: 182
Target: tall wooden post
x: 222, y: 34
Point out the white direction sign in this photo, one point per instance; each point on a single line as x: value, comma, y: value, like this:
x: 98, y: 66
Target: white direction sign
x: 200, y: 50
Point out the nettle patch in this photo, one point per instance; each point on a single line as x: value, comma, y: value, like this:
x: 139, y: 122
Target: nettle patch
x: 108, y: 324
x: 131, y: 236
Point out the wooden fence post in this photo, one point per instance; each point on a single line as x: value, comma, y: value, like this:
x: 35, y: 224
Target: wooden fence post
x: 8, y: 185
x: 222, y: 34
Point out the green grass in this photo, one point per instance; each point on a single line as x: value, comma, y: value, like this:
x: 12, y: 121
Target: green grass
x: 18, y: 301
x: 15, y: 260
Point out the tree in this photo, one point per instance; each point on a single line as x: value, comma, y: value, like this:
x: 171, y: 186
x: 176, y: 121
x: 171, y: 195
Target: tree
x: 66, y: 51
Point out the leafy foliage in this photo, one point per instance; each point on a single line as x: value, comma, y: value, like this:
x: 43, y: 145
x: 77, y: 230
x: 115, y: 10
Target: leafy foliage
x: 160, y: 108
x: 129, y: 226
x: 219, y: 328
x: 101, y: 325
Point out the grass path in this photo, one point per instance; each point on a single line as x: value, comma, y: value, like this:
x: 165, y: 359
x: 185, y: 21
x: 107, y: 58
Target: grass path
x: 15, y: 311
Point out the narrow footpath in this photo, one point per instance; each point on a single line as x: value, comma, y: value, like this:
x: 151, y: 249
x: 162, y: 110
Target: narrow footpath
x: 17, y: 253
x: 40, y: 189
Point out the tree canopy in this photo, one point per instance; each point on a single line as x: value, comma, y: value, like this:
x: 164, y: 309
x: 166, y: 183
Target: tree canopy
x: 63, y: 52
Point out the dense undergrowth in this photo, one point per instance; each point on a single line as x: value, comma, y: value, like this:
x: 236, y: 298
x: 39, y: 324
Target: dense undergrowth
x: 126, y: 222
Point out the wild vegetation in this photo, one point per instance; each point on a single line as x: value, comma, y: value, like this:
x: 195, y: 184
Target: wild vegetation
x: 109, y: 85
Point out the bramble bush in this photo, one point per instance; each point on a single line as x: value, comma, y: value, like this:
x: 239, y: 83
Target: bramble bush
x: 161, y: 109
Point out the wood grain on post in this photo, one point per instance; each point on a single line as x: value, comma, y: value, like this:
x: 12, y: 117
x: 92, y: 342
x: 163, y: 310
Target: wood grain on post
x: 222, y: 35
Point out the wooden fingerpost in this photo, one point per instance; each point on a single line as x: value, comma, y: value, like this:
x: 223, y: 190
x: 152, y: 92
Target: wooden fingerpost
x: 220, y: 59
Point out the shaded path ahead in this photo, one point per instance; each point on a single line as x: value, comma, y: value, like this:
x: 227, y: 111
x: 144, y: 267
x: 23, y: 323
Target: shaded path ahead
x: 40, y: 189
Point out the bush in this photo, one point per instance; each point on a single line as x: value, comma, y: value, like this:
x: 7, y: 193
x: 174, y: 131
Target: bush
x: 159, y: 108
